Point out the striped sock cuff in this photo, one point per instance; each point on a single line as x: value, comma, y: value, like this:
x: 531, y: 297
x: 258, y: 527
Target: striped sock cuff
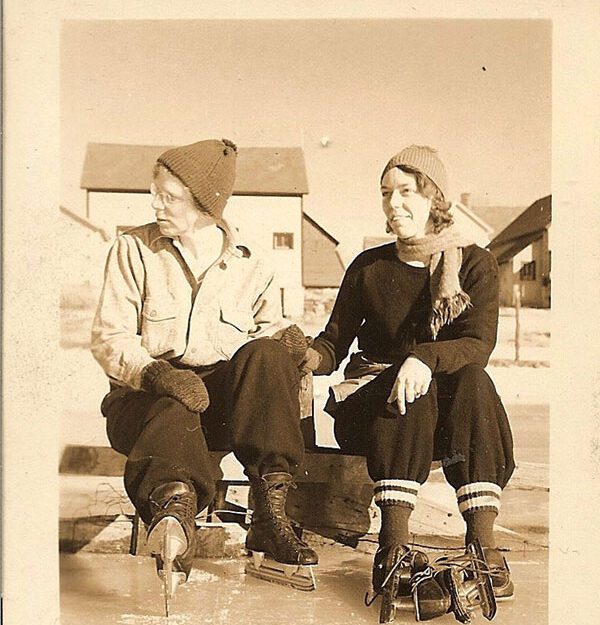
x: 400, y: 492
x: 478, y: 496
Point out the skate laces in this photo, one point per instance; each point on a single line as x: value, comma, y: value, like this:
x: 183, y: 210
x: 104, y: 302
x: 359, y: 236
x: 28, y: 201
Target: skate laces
x: 277, y: 514
x: 180, y: 498
x: 184, y: 502
x: 404, y: 558
x: 463, y: 563
x: 421, y: 576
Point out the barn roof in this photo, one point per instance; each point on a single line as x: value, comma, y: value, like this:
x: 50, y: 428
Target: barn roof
x: 525, y: 229
x: 260, y: 171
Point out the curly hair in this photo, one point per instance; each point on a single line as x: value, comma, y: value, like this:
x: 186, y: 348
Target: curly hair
x: 440, y: 208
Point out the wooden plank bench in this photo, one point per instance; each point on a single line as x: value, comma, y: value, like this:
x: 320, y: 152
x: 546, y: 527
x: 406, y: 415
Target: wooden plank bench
x: 332, y: 497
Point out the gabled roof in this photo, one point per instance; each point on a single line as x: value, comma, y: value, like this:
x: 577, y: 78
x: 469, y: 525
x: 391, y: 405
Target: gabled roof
x: 474, y: 217
x: 260, y: 171
x: 525, y: 229
x: 320, y: 228
x: 497, y: 217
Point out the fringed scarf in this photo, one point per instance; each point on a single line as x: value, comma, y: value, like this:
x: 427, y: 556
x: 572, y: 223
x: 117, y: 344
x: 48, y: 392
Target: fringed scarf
x: 448, y: 300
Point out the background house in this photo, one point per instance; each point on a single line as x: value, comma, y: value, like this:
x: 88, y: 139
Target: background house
x: 267, y: 203
x: 523, y: 253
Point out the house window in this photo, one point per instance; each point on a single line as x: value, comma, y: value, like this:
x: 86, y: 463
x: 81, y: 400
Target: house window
x: 527, y: 272
x: 283, y: 240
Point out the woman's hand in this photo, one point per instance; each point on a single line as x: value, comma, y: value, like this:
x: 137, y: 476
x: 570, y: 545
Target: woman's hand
x: 412, y: 381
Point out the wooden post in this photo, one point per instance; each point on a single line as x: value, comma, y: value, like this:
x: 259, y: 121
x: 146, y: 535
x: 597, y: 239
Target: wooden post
x: 517, y: 302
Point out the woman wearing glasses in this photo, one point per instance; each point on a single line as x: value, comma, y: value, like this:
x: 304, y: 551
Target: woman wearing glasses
x: 181, y: 330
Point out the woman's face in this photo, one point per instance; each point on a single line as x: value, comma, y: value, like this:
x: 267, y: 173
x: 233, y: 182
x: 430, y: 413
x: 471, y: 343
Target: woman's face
x: 407, y: 211
x: 176, y: 212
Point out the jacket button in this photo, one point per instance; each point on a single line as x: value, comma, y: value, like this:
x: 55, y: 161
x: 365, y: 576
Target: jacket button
x: 223, y: 265
x: 153, y: 313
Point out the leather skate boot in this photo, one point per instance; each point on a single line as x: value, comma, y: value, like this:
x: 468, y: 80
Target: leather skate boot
x: 271, y: 532
x: 405, y: 580
x: 502, y: 585
x: 172, y: 532
x: 467, y: 580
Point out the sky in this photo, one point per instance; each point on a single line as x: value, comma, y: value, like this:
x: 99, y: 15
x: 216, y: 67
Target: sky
x: 479, y: 91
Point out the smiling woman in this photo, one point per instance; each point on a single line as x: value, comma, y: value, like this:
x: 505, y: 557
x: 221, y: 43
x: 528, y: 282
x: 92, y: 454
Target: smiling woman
x: 406, y: 209
x: 425, y: 312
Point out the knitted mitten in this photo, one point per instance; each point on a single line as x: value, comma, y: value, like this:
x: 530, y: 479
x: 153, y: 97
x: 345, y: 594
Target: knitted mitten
x: 311, y: 361
x: 163, y: 379
x: 293, y: 339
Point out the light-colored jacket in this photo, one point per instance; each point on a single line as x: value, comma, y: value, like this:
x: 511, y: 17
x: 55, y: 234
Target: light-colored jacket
x: 152, y: 307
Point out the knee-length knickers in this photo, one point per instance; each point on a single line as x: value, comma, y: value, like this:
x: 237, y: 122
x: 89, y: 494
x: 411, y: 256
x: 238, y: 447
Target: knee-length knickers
x: 254, y: 412
x: 460, y: 421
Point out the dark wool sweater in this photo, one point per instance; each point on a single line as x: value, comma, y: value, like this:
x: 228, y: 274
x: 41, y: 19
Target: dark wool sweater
x: 387, y: 303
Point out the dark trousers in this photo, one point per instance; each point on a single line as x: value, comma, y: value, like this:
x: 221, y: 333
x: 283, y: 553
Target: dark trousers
x: 254, y: 412
x: 460, y: 421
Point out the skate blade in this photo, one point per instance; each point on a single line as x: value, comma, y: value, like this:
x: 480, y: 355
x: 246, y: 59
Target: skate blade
x: 391, y: 602
x: 483, y: 581
x: 300, y: 577
x: 170, y: 581
x: 389, y: 607
x: 166, y: 541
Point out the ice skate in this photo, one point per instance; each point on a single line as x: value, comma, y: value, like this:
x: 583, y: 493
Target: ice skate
x: 503, y: 586
x: 395, y: 569
x: 171, y: 535
x: 468, y: 583
x: 277, y: 554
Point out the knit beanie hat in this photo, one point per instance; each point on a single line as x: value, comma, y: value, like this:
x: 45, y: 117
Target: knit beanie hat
x: 424, y: 159
x: 207, y: 168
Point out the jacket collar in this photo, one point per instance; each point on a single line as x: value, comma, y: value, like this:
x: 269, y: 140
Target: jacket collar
x: 236, y: 244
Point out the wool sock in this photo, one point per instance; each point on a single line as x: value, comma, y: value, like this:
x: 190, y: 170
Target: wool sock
x: 394, y: 524
x: 480, y: 524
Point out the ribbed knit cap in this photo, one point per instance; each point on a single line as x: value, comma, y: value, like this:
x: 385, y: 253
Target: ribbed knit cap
x: 424, y: 159
x: 207, y: 168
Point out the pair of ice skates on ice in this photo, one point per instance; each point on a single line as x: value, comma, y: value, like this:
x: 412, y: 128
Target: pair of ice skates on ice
x: 277, y: 552
x: 460, y: 585
x: 404, y: 578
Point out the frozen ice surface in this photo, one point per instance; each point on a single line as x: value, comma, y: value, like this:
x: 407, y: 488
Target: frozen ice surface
x: 102, y: 589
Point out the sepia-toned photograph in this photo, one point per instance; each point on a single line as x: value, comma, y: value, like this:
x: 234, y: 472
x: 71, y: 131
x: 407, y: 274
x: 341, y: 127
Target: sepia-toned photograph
x: 305, y: 311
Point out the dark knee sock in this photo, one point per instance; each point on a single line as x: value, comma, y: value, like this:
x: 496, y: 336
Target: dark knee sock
x: 394, y: 524
x: 480, y: 524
